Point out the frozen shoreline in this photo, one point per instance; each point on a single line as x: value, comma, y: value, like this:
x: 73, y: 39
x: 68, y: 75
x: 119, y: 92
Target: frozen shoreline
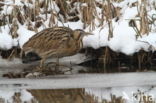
x: 82, y: 81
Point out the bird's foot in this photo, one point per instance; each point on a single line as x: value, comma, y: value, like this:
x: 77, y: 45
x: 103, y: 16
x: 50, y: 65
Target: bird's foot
x: 34, y: 75
x: 66, y: 69
x: 59, y: 68
x: 46, y: 70
x: 40, y: 68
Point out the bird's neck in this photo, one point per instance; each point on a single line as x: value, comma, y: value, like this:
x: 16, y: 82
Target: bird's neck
x: 80, y: 43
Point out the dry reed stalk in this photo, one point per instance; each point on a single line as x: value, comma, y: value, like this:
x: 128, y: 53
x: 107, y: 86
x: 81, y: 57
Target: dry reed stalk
x: 118, y: 1
x: 109, y: 18
x: 36, y: 10
x: 106, y: 58
x: 117, y: 13
x: 144, y: 58
x: 46, y: 8
x: 30, y: 25
x: 62, y: 96
x: 109, y: 12
x: 16, y: 98
x: 114, y: 99
x: 53, y: 18
x: 16, y: 13
x: 64, y: 8
x: 27, y: 12
x: 132, y: 23
x: 144, y: 24
x: 3, y: 20
x: 81, y: 1
x: 1, y: 5
x: 14, y: 28
x: 103, y: 17
x: 37, y: 7
x: 88, y: 14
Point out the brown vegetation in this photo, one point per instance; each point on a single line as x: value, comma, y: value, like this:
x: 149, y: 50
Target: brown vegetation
x: 70, y: 10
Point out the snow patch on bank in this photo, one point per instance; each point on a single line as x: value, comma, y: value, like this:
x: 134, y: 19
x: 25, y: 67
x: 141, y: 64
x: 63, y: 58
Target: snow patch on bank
x: 129, y: 94
x: 7, y: 95
x: 6, y: 41
x: 124, y: 37
x: 24, y: 35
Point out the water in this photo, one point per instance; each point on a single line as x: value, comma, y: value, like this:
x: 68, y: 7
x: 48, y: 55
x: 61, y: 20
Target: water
x: 80, y: 95
x: 93, y: 88
x: 132, y: 87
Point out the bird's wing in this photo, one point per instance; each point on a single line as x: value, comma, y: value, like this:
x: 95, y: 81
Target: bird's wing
x: 47, y: 39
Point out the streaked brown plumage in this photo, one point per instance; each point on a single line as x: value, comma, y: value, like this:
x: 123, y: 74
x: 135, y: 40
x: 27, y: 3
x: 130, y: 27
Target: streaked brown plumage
x: 55, y: 42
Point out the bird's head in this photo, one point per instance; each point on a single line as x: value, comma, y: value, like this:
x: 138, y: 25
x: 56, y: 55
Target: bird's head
x: 79, y: 34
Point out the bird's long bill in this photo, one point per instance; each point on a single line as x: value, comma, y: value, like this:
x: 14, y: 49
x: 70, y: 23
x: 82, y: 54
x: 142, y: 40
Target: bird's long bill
x: 88, y: 33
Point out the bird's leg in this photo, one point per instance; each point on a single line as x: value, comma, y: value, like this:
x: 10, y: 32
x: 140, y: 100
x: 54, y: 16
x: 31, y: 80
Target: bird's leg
x: 57, y: 65
x: 57, y: 60
x: 41, y: 67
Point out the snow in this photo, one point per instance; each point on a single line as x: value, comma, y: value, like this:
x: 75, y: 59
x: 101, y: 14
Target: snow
x: 130, y: 94
x: 124, y: 40
x: 53, y: 6
x: 98, y: 85
x: 24, y: 35
x: 130, y: 13
x: 73, y: 25
x: 7, y: 95
x: 25, y: 96
x: 6, y: 41
x: 7, y: 9
x: 124, y: 37
x: 127, y: 93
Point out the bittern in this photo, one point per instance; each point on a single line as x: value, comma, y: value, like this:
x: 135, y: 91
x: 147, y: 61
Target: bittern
x: 55, y: 42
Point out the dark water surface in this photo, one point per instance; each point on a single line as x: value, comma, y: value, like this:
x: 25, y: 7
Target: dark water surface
x: 144, y: 94
x: 85, y: 87
x: 81, y: 88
